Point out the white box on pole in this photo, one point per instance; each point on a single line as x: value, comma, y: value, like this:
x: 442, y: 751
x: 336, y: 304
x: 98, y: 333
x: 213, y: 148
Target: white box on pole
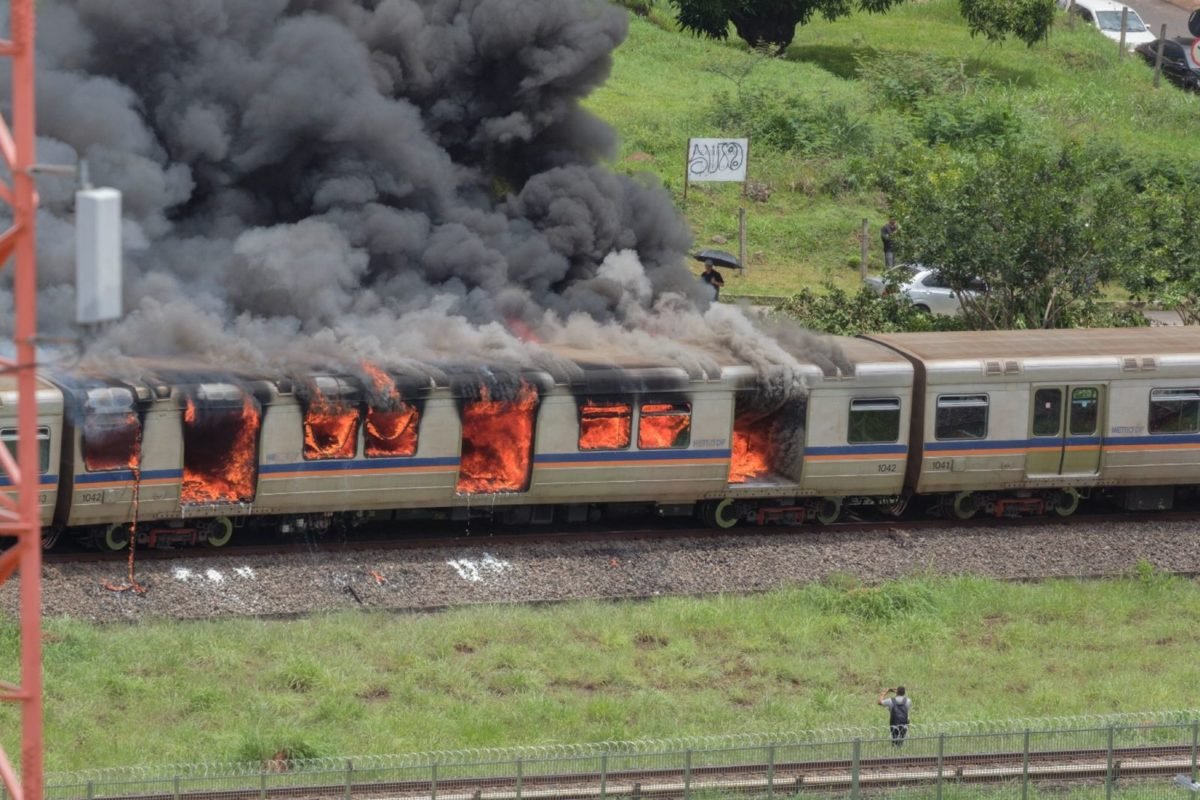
x: 97, y: 255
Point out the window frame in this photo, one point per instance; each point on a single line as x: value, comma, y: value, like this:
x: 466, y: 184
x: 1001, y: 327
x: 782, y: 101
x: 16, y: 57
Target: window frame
x: 964, y: 400
x: 43, y: 433
x: 885, y: 404
x: 603, y: 401
x: 1180, y: 395
x: 642, y: 415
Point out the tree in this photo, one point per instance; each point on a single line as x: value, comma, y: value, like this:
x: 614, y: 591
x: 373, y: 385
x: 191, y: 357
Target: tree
x: 1044, y: 229
x: 773, y: 22
x: 1162, y: 262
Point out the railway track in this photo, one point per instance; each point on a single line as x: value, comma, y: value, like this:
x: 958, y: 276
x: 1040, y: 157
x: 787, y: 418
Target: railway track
x: 444, y: 536
x: 839, y: 776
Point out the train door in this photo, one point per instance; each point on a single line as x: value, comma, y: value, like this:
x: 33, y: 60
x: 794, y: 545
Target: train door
x: 1064, y: 430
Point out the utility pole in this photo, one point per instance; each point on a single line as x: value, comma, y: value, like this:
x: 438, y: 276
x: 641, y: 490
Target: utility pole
x: 21, y: 518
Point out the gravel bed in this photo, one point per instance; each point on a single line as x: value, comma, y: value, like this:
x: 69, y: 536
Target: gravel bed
x: 227, y: 585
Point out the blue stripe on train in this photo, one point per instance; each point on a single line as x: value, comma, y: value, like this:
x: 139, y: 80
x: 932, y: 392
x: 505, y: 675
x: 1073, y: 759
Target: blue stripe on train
x: 628, y: 455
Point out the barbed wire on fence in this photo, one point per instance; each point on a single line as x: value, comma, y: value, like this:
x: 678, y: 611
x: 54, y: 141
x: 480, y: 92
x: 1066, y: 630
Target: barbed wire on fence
x: 150, y: 773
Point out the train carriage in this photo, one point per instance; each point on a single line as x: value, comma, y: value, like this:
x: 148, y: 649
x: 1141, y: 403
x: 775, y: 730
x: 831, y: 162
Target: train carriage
x: 49, y: 433
x: 1032, y: 420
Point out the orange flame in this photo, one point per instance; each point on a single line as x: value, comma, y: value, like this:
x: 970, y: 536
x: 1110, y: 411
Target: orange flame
x: 663, y: 425
x: 330, y: 430
x: 112, y: 441
x: 751, y: 451
x: 497, y: 447
x: 605, y: 425
x: 220, y: 458
x: 391, y: 430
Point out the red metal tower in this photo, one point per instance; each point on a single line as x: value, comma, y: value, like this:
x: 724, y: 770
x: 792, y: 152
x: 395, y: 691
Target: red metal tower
x: 17, y: 148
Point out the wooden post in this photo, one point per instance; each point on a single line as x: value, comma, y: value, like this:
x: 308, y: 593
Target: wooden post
x: 687, y: 152
x: 742, y: 239
x: 865, y: 245
x: 1162, y: 40
x: 1124, y: 21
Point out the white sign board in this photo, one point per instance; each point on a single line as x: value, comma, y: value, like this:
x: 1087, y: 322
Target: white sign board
x: 717, y: 160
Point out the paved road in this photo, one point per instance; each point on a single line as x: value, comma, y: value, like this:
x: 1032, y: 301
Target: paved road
x: 1155, y: 12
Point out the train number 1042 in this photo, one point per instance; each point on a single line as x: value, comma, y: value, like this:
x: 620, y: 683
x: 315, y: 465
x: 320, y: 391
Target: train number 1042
x: 887, y: 467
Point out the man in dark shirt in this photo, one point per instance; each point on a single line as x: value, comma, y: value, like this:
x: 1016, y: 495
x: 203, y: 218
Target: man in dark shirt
x: 888, y: 232
x: 713, y: 279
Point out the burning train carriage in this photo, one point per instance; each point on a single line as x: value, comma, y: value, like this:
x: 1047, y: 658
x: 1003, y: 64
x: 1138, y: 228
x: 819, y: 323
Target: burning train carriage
x: 49, y: 432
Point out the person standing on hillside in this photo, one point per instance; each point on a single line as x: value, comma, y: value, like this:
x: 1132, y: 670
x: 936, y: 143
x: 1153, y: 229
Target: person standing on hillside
x: 898, y: 708
x: 713, y: 279
x: 888, y: 233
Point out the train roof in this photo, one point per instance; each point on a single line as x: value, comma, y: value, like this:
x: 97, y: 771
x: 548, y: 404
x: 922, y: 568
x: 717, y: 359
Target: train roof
x: 1075, y: 343
x: 49, y: 397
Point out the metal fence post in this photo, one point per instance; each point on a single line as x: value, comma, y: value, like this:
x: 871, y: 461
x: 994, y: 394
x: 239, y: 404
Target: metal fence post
x: 941, y: 754
x: 1195, y: 740
x: 176, y: 787
x: 520, y: 775
x: 1108, y: 774
x: 91, y: 790
x: 687, y: 775
x: 349, y: 777
x: 262, y: 786
x: 603, y: 776
x: 855, y: 758
x: 433, y: 781
x: 771, y: 771
x: 1025, y: 767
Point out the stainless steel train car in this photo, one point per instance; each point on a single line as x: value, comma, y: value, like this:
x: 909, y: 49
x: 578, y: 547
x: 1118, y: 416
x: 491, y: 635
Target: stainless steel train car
x: 995, y: 422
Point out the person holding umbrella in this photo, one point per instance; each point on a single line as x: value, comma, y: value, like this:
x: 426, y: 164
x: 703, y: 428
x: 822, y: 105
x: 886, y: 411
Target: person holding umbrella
x: 712, y: 278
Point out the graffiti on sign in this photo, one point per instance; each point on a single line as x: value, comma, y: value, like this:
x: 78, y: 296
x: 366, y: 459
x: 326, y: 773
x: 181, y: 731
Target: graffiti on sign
x: 717, y: 159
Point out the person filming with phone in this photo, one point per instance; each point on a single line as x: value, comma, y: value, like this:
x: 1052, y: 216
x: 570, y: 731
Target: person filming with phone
x: 899, y: 708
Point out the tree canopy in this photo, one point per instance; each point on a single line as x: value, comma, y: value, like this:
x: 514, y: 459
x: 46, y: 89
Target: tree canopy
x: 772, y: 23
x: 1042, y: 227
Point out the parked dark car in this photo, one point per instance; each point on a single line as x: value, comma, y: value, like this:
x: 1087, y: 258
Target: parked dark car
x: 1178, y: 64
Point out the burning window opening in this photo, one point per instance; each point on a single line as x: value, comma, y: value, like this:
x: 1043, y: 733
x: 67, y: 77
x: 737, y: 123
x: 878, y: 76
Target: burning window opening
x: 497, y: 443
x: 220, y: 446
x: 605, y: 425
x: 392, y: 433
x: 331, y: 420
x: 751, y: 457
x: 392, y: 424
x: 111, y: 430
x: 665, y: 426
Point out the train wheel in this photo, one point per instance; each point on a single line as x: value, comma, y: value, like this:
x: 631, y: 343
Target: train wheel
x: 720, y: 514
x: 829, y: 511
x: 964, y: 506
x: 1066, y: 502
x: 116, y: 536
x: 219, y: 532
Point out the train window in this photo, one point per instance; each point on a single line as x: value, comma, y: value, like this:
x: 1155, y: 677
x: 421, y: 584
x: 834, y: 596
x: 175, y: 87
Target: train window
x: 9, y: 437
x: 1047, y: 412
x: 1174, y: 411
x: 391, y: 431
x: 1085, y: 411
x: 605, y: 425
x: 961, y: 416
x: 874, y: 420
x: 665, y: 426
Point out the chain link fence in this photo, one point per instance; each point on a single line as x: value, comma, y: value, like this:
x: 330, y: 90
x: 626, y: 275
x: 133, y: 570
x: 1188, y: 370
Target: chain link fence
x: 1128, y: 756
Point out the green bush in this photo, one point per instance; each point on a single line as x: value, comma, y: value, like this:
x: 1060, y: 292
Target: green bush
x: 968, y: 121
x: 842, y: 313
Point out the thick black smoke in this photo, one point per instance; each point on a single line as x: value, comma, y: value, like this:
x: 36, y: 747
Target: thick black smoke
x: 323, y: 181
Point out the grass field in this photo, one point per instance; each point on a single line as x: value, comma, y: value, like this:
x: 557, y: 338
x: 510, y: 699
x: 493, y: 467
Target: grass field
x: 667, y: 86
x: 812, y: 657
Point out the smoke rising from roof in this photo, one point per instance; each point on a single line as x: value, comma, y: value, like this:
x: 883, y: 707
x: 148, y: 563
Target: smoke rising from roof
x: 327, y: 181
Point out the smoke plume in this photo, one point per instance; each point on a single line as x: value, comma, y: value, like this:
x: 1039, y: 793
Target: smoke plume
x: 321, y: 182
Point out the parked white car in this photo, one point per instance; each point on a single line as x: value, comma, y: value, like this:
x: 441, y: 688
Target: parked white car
x: 1105, y: 16
x: 925, y: 287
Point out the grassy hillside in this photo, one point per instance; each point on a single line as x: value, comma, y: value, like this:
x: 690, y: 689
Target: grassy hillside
x: 812, y: 657
x: 836, y: 87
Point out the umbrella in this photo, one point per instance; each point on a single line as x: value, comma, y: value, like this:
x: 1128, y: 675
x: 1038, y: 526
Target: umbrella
x: 719, y: 258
